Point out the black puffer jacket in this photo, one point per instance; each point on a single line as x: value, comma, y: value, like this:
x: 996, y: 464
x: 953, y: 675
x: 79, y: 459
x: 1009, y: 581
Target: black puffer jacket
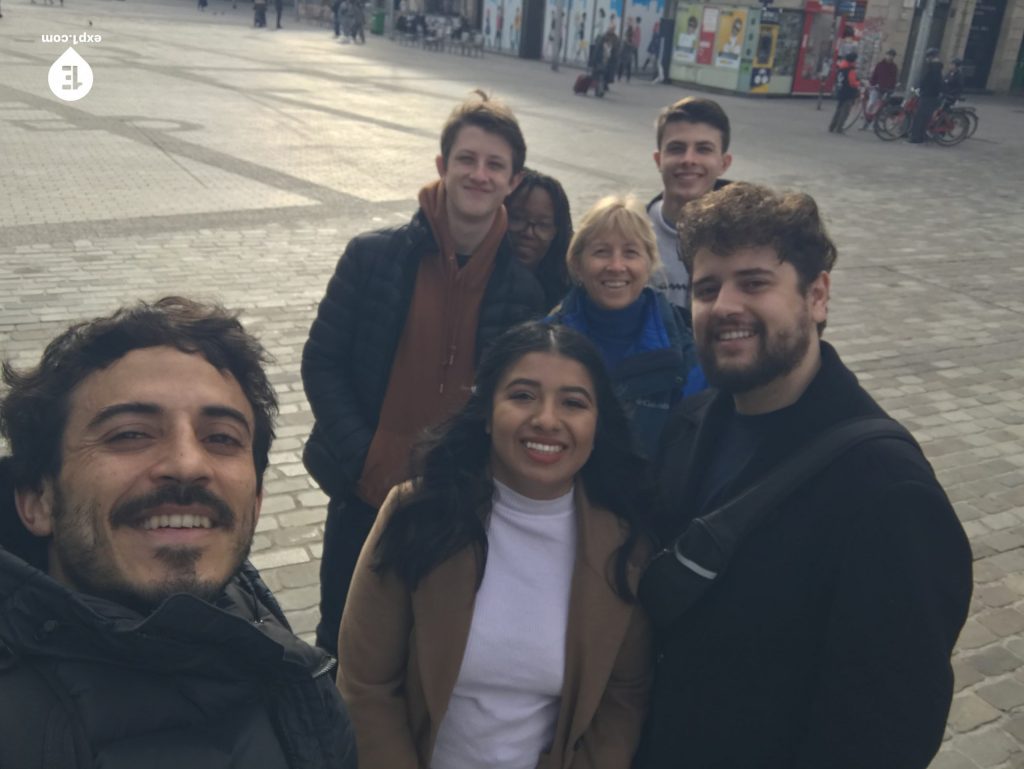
x: 87, y: 683
x: 347, y: 360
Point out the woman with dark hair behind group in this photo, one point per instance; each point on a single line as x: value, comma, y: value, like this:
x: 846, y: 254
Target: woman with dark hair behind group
x: 540, y: 227
x: 491, y: 620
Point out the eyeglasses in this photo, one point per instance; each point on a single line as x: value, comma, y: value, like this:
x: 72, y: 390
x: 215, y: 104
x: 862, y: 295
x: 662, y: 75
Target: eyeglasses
x: 543, y: 230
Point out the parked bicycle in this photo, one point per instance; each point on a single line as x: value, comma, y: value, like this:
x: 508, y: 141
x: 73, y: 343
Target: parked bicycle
x: 864, y: 109
x: 946, y: 127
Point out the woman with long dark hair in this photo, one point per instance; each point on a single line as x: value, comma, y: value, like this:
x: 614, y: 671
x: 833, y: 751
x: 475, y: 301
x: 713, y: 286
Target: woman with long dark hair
x: 540, y: 228
x: 491, y: 620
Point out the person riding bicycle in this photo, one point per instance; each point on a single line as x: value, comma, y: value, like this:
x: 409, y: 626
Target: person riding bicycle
x: 953, y: 83
x: 930, y: 87
x: 847, y: 90
x: 883, y: 82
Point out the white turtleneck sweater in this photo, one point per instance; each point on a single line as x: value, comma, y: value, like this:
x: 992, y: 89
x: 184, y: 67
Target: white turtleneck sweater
x: 505, y: 704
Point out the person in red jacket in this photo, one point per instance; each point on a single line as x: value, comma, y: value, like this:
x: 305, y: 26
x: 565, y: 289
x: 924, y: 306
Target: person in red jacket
x: 882, y: 82
x: 847, y: 90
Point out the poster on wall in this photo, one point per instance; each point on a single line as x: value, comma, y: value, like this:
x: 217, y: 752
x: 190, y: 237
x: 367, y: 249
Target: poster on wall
x: 706, y: 47
x: 503, y: 23
x: 647, y: 13
x: 559, y: 39
x: 764, y: 58
x: 729, y: 43
x: 688, y: 34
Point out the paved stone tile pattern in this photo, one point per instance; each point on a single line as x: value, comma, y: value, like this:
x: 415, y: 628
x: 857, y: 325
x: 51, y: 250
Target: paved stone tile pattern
x: 228, y: 163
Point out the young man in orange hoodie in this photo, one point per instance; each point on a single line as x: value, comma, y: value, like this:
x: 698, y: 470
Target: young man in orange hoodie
x: 396, y: 339
x: 847, y: 91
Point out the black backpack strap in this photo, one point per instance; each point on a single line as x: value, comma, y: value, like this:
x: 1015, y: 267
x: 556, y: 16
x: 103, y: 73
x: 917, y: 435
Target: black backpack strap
x: 681, y: 573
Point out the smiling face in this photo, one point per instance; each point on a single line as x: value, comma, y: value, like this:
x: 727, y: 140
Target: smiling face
x: 157, y: 491
x: 755, y: 330
x: 690, y: 160
x: 477, y: 175
x: 542, y: 424
x: 531, y: 226
x: 613, y: 269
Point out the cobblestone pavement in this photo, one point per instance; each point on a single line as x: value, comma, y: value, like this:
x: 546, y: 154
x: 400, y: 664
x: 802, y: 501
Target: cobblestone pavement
x: 217, y: 160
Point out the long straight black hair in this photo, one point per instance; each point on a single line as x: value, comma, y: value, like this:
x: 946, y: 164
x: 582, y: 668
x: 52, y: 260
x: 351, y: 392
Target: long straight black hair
x: 450, y: 501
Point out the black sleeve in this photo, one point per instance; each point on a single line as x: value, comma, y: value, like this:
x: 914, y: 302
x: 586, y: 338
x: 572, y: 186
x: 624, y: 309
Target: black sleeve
x: 901, y: 598
x: 328, y: 370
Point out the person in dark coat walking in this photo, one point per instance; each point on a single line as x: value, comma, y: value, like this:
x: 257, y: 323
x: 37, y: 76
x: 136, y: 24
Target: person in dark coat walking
x: 395, y: 340
x: 847, y: 91
x: 931, y: 93
x: 133, y: 631
x: 825, y: 640
x: 278, y: 8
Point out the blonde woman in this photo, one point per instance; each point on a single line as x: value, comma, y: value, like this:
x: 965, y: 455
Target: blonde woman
x: 646, y: 345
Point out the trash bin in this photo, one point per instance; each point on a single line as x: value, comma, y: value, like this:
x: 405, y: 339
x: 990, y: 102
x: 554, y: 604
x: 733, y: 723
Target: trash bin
x: 377, y: 24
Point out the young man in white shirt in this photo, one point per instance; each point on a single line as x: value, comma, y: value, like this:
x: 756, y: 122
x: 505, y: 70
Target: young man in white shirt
x: 692, y: 154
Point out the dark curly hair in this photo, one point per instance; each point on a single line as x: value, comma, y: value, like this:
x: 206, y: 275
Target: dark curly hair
x: 742, y: 215
x: 34, y: 411
x: 450, y: 501
x: 552, y: 272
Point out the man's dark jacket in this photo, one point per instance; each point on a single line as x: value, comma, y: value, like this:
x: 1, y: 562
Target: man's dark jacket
x: 931, y: 80
x: 85, y: 682
x: 826, y: 643
x: 347, y: 360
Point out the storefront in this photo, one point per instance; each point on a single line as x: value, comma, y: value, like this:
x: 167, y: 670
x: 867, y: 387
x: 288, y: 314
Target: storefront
x: 743, y: 49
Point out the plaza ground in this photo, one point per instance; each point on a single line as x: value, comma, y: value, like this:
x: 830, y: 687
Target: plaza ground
x: 220, y: 161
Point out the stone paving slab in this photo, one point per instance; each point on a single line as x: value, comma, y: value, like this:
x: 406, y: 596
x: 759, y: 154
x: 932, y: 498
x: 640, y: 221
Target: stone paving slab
x: 229, y: 163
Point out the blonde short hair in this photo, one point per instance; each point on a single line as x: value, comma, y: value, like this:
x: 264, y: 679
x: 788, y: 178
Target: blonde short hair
x: 621, y: 213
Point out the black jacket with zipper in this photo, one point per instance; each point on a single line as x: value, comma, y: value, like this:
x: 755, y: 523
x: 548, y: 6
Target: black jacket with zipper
x: 346, y: 362
x: 85, y: 682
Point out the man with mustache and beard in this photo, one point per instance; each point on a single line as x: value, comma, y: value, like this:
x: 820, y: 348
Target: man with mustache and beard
x: 825, y: 640
x: 133, y: 631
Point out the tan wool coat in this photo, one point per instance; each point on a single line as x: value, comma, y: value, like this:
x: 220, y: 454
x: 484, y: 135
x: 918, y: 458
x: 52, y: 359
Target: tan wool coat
x: 400, y: 653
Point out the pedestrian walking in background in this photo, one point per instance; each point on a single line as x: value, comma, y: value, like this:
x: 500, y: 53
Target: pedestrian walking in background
x: 278, y: 8
x: 643, y: 340
x: 883, y: 81
x: 259, y: 10
x: 930, y: 86
x: 847, y: 91
x: 336, y: 14
x: 627, y: 52
x: 491, y: 621
x: 540, y: 228
x: 358, y: 22
x: 447, y: 281
x: 557, y: 33
x: 610, y: 43
x: 653, y: 47
x: 824, y: 628
x: 637, y: 33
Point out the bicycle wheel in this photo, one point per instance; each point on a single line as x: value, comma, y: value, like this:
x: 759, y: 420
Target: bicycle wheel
x: 856, y: 112
x: 949, y: 129
x: 972, y: 119
x: 891, y: 123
